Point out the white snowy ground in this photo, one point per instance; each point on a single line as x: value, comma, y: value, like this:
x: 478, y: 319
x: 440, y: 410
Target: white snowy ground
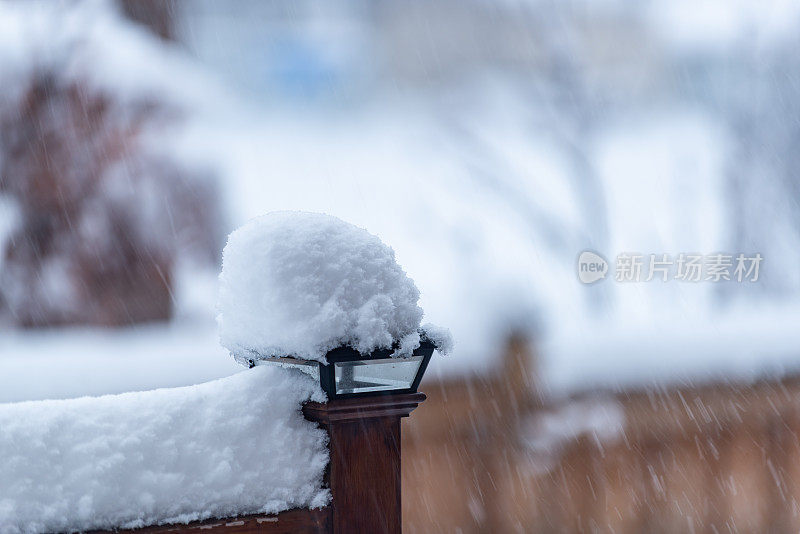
x: 76, y: 362
x: 738, y: 345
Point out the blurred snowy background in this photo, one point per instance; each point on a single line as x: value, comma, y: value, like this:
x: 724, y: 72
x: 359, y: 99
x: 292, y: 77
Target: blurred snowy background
x: 488, y: 143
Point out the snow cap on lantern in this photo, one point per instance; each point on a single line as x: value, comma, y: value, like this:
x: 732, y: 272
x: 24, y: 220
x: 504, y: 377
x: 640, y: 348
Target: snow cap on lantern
x: 301, y: 284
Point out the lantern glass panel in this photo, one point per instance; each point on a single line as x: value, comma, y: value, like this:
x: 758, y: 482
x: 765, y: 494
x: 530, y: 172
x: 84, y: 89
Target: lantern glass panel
x: 364, y: 376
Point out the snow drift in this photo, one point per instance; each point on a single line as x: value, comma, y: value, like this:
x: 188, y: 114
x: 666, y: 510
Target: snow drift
x: 234, y: 446
x: 299, y: 284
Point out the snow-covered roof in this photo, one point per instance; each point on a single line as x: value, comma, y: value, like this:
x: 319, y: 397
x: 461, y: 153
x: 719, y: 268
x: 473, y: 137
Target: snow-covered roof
x: 233, y: 446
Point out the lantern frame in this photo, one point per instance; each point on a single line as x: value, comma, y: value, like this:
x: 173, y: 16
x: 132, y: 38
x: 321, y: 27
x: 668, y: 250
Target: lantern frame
x: 326, y: 372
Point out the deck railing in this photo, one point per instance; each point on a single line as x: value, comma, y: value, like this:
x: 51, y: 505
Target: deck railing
x: 363, y: 474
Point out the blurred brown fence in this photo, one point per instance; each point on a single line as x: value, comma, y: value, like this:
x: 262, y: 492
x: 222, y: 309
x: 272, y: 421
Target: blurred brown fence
x: 488, y: 456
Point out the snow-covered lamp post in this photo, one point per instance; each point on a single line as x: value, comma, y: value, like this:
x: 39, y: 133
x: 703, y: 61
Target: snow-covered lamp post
x: 311, y: 292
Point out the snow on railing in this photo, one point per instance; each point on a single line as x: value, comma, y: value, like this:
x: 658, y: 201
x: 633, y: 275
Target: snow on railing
x: 238, y: 445
x: 264, y: 441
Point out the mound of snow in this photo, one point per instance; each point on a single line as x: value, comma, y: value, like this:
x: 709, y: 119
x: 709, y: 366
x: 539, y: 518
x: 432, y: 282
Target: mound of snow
x: 234, y: 446
x: 301, y: 284
x: 441, y: 337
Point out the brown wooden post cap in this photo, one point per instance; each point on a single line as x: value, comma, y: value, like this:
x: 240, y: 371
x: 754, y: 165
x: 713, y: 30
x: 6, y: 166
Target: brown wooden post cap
x: 342, y: 410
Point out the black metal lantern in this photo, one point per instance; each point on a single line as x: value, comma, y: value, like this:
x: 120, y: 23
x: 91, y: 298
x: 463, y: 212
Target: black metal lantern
x: 349, y: 373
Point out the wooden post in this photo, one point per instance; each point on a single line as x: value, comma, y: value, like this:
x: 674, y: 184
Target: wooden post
x: 364, y: 472
x: 512, y: 394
